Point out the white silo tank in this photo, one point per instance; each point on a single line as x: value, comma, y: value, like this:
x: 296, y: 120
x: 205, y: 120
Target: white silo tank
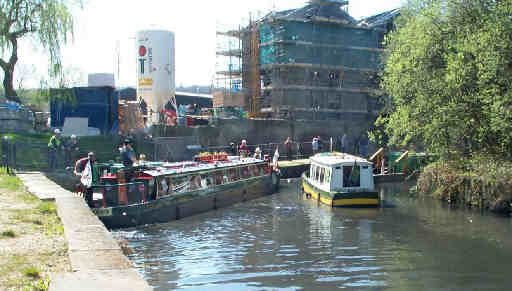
x: 155, y: 69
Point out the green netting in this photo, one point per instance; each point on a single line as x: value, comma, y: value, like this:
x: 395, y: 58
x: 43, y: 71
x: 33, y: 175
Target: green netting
x: 296, y: 53
x: 289, y: 42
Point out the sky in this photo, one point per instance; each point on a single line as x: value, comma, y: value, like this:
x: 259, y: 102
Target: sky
x: 105, y: 32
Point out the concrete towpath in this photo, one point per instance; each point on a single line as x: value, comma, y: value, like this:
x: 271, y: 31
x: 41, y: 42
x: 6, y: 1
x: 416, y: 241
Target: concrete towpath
x: 96, y: 259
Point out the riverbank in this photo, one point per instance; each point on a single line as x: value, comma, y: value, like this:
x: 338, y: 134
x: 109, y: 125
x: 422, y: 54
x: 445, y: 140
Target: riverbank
x: 32, y: 242
x: 482, y: 182
x: 96, y: 260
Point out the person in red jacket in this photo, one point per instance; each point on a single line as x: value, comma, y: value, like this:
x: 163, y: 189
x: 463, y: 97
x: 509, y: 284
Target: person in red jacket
x: 243, y: 149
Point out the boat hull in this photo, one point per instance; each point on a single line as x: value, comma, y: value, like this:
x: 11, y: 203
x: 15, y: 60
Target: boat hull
x: 341, y: 199
x: 182, y: 205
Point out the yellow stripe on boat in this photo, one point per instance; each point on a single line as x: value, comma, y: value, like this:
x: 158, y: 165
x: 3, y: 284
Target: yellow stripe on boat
x: 339, y: 202
x: 356, y: 201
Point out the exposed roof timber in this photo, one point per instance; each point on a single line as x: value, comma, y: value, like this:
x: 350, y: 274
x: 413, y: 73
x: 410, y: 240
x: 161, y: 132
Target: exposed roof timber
x: 317, y: 10
x: 329, y: 2
x: 380, y: 19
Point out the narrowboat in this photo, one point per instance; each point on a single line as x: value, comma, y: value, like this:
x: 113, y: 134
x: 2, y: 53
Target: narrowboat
x: 162, y: 192
x: 339, y: 179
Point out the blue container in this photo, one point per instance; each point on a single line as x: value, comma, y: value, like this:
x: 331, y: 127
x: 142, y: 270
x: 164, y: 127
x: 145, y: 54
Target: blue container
x: 96, y: 103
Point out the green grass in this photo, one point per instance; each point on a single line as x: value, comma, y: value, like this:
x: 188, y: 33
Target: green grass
x: 27, y: 198
x: 10, y: 183
x: 8, y: 233
x: 31, y: 272
x: 19, y: 272
x: 42, y: 217
x: 47, y: 208
x: 41, y: 285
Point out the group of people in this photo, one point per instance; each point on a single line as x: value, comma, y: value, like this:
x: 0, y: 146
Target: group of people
x: 317, y: 144
x: 68, y: 147
x: 342, y: 144
x: 84, y: 167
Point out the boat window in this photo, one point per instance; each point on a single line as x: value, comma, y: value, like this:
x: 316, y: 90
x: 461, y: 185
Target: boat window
x: 151, y: 190
x: 206, y: 180
x: 322, y: 175
x: 261, y: 169
x: 328, y: 176
x: 267, y: 169
x: 317, y: 173
x: 219, y: 177
x: 194, y: 182
x: 225, y: 176
x: 255, y: 171
x: 180, y: 184
x: 351, y: 176
x: 245, y: 172
x: 233, y: 174
x: 163, y: 187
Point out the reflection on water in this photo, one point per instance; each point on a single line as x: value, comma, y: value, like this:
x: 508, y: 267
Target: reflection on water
x: 286, y: 242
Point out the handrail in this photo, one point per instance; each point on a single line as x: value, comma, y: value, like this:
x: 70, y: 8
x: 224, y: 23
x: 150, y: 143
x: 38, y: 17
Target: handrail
x: 114, y: 185
x: 378, y: 153
x: 403, y: 156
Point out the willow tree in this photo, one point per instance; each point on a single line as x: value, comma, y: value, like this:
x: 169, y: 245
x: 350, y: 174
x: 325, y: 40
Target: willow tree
x: 47, y: 22
x: 448, y: 70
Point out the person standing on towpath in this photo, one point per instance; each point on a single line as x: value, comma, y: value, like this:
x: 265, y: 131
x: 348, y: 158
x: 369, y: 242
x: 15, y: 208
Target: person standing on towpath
x: 54, y: 145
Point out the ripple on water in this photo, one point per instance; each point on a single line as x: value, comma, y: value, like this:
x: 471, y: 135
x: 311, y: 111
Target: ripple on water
x: 281, y: 242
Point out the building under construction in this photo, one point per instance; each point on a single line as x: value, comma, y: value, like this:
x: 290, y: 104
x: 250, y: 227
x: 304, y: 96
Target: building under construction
x: 311, y: 63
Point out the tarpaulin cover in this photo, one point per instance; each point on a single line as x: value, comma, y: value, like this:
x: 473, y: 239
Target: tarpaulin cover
x: 96, y: 103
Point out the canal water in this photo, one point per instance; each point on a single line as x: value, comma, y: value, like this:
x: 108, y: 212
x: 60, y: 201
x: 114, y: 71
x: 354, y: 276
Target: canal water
x: 284, y: 242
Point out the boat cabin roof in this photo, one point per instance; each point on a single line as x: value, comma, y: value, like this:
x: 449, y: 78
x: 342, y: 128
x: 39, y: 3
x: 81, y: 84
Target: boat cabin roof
x: 338, y: 159
x: 190, y: 167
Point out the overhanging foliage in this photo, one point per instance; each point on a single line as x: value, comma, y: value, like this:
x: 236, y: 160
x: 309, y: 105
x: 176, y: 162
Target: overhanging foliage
x: 448, y: 68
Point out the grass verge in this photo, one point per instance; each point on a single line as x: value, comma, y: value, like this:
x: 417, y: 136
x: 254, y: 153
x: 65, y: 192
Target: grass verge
x: 32, y: 244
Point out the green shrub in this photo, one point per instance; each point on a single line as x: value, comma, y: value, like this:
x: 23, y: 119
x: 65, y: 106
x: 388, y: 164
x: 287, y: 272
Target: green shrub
x: 481, y: 181
x: 32, y: 272
x: 9, y: 233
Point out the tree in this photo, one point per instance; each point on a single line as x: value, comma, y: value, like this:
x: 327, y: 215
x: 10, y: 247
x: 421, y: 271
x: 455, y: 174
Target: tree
x: 48, y: 22
x: 448, y: 70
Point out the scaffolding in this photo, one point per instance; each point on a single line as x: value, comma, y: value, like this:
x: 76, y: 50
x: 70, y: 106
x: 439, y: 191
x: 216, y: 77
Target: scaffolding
x: 313, y: 62
x: 238, y: 81
x: 228, y: 77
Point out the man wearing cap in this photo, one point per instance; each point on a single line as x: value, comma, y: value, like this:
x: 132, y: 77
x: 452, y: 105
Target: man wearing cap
x: 54, y: 145
x: 127, y: 154
x: 86, y: 169
x: 71, y: 150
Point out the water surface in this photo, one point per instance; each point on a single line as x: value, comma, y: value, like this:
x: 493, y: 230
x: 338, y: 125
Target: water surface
x: 284, y: 242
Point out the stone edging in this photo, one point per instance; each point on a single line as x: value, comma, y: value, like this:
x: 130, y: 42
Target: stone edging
x: 96, y: 259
